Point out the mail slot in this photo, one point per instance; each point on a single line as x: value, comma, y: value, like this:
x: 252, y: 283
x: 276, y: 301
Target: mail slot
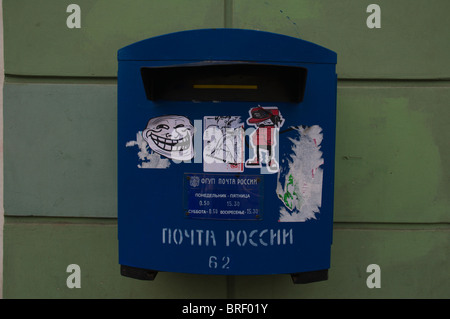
x: 226, y: 143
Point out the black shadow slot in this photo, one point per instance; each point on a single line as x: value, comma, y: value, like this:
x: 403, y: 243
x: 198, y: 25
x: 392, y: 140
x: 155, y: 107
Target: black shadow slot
x: 225, y: 82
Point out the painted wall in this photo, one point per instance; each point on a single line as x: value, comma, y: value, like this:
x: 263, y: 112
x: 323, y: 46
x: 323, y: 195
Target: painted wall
x: 392, y: 203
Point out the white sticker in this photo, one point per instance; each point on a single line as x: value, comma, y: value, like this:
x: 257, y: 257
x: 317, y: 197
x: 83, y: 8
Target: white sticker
x: 223, y: 144
x: 299, y: 185
x: 264, y: 139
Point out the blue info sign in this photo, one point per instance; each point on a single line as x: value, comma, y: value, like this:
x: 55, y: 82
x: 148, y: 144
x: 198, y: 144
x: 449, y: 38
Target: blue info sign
x: 223, y: 196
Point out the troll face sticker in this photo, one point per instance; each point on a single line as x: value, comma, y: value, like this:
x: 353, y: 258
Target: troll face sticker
x: 170, y: 136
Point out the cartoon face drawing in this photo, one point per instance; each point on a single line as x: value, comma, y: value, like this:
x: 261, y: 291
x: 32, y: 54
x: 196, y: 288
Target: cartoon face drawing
x: 265, y: 116
x: 170, y: 136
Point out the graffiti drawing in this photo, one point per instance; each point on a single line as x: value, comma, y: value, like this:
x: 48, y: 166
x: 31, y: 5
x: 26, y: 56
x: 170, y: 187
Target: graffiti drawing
x: 299, y: 185
x: 223, y: 144
x: 267, y: 121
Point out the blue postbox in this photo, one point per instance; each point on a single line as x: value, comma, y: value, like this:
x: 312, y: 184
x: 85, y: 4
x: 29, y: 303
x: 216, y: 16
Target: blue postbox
x: 226, y: 143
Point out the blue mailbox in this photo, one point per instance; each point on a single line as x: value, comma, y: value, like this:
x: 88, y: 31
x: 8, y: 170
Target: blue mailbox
x: 226, y: 143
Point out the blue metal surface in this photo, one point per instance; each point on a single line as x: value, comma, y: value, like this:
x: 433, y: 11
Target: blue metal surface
x: 287, y: 222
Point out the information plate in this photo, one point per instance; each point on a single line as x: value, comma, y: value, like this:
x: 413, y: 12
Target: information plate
x: 223, y: 196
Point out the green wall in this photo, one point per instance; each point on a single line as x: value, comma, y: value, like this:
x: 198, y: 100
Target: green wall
x: 392, y: 203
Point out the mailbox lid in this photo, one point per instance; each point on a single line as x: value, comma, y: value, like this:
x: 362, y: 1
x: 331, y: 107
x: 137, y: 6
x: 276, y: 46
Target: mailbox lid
x: 226, y: 45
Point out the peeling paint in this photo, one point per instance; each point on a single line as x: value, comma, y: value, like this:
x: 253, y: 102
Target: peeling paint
x: 148, y: 158
x: 299, y: 185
